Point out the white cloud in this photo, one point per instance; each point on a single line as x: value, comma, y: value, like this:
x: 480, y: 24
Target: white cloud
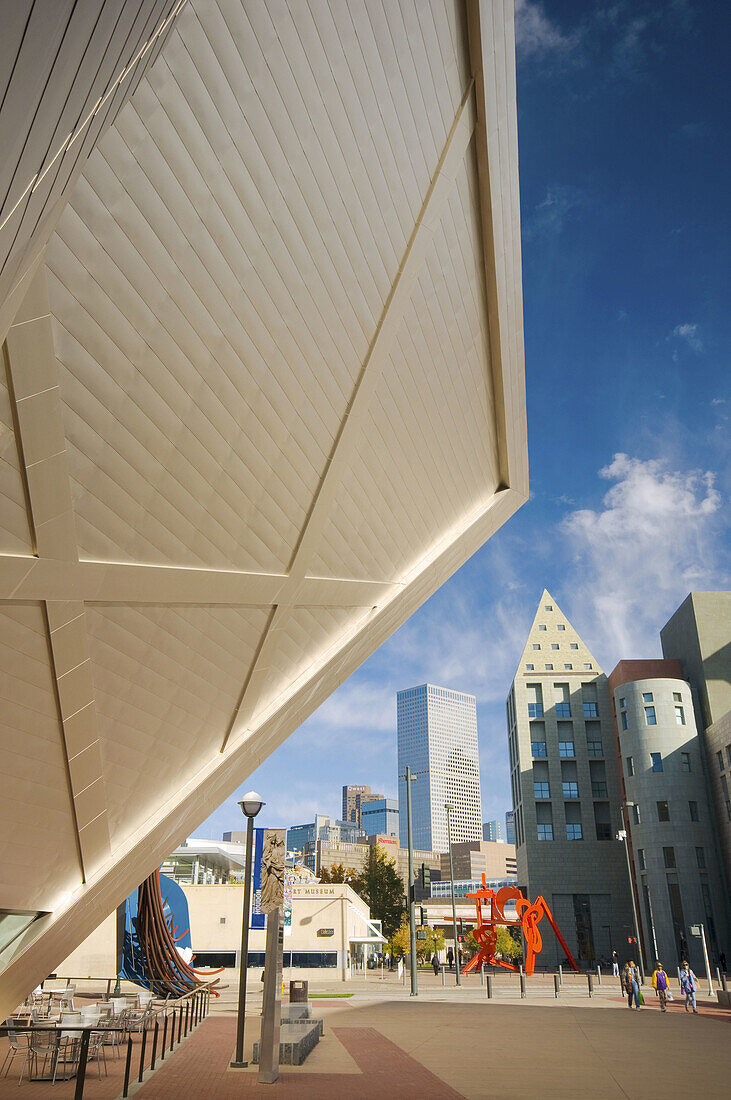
x: 638, y: 556
x: 536, y: 34
x: 689, y: 333
x: 718, y: 401
x: 562, y: 203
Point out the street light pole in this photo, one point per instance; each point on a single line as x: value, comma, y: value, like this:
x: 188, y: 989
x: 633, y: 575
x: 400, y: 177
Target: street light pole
x: 250, y: 807
x: 448, y: 808
x: 623, y: 836
x: 412, y: 917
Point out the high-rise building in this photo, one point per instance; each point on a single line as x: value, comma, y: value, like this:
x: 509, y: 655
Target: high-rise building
x: 491, y: 830
x: 510, y: 827
x: 473, y: 858
x: 380, y: 815
x: 354, y: 795
x: 303, y: 839
x: 567, y: 790
x: 670, y: 829
x: 437, y: 739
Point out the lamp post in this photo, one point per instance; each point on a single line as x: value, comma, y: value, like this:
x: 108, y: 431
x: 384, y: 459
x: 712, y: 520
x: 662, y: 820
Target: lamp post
x: 448, y: 807
x: 412, y: 926
x: 250, y: 805
x: 622, y: 835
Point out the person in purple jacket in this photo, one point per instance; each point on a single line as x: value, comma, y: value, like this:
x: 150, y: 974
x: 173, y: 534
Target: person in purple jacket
x: 660, y: 985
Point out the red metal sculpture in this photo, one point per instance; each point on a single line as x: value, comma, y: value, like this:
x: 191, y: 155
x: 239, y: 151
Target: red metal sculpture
x: 528, y: 917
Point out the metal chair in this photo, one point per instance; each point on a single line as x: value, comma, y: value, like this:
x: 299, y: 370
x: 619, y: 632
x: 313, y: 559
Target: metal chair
x: 42, y: 1044
x: 18, y: 1045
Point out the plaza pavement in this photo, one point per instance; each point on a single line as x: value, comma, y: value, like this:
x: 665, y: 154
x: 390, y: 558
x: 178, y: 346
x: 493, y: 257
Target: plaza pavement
x: 450, y: 1043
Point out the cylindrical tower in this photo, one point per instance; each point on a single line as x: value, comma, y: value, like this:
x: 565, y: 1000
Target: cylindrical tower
x: 669, y: 818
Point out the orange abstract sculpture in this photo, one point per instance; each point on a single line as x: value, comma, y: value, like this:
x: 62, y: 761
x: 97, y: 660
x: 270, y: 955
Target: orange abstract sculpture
x: 528, y: 917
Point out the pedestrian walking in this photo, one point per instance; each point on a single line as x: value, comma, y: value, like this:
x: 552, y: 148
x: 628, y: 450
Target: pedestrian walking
x: 722, y: 960
x: 631, y: 983
x: 660, y: 985
x: 450, y: 957
x: 435, y: 964
x: 688, y: 984
x: 615, y: 964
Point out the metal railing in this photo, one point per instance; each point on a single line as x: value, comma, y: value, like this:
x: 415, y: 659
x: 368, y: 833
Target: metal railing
x: 168, y: 1024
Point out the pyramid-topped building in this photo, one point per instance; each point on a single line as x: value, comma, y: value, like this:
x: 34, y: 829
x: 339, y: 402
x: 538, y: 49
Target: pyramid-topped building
x: 566, y: 788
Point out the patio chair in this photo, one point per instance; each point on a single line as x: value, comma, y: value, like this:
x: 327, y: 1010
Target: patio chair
x: 67, y: 999
x: 42, y: 1044
x: 18, y: 1045
x: 68, y: 1049
x: 97, y: 1050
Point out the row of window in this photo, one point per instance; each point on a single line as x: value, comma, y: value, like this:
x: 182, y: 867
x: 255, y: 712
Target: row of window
x: 669, y: 858
x: 648, y: 700
x: 539, y: 749
x: 719, y: 758
x: 663, y: 811
x: 555, y: 645
x: 551, y: 668
x: 656, y: 763
x: 574, y: 831
x: 559, y: 626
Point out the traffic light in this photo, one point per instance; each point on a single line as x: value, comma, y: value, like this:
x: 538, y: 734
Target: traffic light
x: 421, y: 911
x: 425, y: 876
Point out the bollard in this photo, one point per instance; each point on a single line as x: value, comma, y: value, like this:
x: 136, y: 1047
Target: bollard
x: 590, y: 982
x: 185, y: 1028
x: 443, y: 973
x: 718, y: 975
x: 522, y: 984
x: 599, y: 974
x: 482, y: 975
x: 172, y: 1033
x: 180, y: 1024
x: 556, y: 985
x: 164, y: 1036
x: 723, y: 981
x: 560, y: 974
x: 489, y: 986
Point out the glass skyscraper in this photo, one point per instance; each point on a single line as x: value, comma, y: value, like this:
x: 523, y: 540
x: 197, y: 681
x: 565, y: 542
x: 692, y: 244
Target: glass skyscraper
x: 437, y: 739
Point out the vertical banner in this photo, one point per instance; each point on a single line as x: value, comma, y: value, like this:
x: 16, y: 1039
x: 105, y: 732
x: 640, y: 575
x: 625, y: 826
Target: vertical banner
x: 257, y: 916
x: 287, y: 902
x: 272, y: 870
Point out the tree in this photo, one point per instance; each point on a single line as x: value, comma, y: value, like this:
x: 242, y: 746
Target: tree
x: 338, y: 873
x: 381, y: 887
x: 507, y: 946
x: 400, y: 943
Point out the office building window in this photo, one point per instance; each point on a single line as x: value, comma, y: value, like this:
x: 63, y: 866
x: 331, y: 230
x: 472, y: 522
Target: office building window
x: 668, y: 854
x: 573, y: 645
x: 554, y: 645
x: 541, y: 626
x: 536, y: 645
x: 568, y: 667
x: 656, y: 759
x: 663, y: 811
x: 587, y: 665
x: 590, y: 710
x: 560, y: 626
x: 573, y: 832
x: 530, y: 668
x: 549, y: 668
x: 571, y: 790
x: 535, y: 710
x: 630, y: 765
x: 548, y: 607
x: 625, y: 720
x: 595, y: 748
x: 538, y: 748
x: 685, y: 761
x: 561, y: 699
x: 693, y: 810
x: 700, y: 858
x: 641, y: 859
x: 650, y: 718
x: 647, y: 697
x: 728, y: 755
x: 719, y: 758
x: 541, y: 790
x: 679, y: 716
x: 545, y: 832
x: 678, y: 698
x: 622, y: 703
x: 602, y: 821
x: 636, y: 814
x: 566, y: 748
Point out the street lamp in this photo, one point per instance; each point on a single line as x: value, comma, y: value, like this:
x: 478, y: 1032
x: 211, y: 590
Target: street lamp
x: 250, y: 805
x: 448, y: 807
x: 623, y: 836
x: 412, y: 919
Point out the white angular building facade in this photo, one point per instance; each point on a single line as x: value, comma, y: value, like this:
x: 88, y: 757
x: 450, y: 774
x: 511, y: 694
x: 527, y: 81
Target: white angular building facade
x: 262, y: 393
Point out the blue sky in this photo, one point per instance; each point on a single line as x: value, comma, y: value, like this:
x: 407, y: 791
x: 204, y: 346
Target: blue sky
x: 624, y: 168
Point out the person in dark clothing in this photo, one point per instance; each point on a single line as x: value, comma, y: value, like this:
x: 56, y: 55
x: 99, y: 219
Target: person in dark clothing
x: 450, y: 957
x: 722, y: 960
x: 435, y: 964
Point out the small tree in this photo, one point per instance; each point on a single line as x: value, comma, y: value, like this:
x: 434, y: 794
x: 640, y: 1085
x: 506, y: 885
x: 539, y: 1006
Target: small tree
x: 381, y: 887
x: 400, y: 943
x: 338, y: 873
